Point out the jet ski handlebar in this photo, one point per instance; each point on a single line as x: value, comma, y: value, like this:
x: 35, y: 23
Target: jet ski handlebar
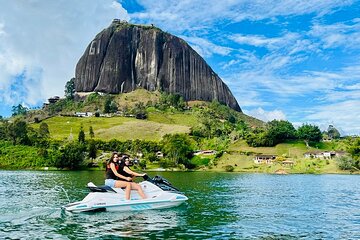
x: 161, y: 183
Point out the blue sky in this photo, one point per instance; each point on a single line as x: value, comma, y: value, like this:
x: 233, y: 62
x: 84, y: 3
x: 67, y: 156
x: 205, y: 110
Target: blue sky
x: 293, y: 60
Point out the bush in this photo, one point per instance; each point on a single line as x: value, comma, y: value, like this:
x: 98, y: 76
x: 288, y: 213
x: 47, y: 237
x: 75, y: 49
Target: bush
x: 72, y: 156
x: 142, y: 164
x: 199, y: 161
x: 141, y: 115
x: 152, y: 157
x: 345, y: 163
x: 93, y: 97
x: 166, y: 163
x: 229, y: 168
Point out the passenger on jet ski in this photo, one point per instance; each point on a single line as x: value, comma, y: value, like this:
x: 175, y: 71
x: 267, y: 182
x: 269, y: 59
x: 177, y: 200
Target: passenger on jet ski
x: 114, y: 179
x: 125, y: 171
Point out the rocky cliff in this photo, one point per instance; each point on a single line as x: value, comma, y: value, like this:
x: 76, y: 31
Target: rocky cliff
x: 125, y: 56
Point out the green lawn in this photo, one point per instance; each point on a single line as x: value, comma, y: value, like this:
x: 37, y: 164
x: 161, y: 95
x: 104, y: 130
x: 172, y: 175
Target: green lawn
x: 184, y: 119
x: 121, y: 128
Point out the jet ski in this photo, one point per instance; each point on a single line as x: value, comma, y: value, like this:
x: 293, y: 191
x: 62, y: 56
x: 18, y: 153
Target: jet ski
x: 159, y: 192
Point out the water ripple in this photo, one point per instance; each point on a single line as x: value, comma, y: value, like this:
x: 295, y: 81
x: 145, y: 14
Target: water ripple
x: 220, y: 206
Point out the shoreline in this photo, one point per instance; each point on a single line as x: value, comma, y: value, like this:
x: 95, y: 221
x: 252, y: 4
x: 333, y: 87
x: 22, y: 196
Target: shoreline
x: 46, y: 169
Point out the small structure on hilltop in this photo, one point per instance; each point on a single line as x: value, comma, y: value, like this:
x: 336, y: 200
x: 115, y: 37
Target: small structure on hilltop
x: 267, y: 159
x: 53, y: 99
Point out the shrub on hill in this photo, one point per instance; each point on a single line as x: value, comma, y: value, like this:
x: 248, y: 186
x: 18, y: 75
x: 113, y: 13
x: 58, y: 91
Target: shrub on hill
x: 72, y: 156
x: 178, y: 148
x: 170, y: 101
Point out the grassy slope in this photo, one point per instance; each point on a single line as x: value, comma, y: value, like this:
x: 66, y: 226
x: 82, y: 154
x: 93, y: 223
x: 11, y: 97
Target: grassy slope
x: 157, y: 125
x: 121, y: 128
x: 18, y: 156
x: 241, y: 156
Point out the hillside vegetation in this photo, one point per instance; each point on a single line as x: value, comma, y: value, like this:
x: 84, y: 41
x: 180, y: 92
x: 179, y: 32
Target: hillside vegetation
x: 121, y: 128
x: 241, y: 157
x: 149, y: 123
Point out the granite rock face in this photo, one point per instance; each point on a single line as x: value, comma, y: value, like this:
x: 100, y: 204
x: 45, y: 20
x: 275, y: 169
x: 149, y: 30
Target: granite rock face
x: 124, y: 57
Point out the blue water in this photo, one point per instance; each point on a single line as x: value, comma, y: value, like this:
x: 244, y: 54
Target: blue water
x: 220, y: 206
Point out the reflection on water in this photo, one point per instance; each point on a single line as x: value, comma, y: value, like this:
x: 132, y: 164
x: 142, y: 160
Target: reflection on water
x: 220, y: 206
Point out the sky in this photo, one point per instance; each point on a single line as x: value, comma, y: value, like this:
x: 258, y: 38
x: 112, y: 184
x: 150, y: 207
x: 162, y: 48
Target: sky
x: 282, y: 59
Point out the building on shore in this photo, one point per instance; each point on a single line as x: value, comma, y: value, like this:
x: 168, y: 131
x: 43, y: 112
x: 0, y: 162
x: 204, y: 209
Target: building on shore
x: 264, y: 159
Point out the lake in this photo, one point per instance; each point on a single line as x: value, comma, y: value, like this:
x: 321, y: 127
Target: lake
x: 220, y: 206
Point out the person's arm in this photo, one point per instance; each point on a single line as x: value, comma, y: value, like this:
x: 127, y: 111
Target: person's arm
x: 127, y: 170
x: 112, y: 166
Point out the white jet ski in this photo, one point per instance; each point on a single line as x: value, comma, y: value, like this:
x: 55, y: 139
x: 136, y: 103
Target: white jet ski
x: 159, y: 192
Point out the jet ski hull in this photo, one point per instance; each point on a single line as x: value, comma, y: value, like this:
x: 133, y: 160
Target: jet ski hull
x: 130, y: 205
x: 114, y: 200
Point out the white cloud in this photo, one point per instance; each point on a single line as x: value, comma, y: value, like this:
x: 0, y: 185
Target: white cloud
x: 255, y: 40
x: 41, y: 41
x: 346, y: 35
x: 266, y: 116
x: 344, y: 114
x: 190, y: 14
x: 206, y: 48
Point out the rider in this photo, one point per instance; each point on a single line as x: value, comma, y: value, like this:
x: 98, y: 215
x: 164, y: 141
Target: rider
x: 125, y: 171
x: 114, y: 179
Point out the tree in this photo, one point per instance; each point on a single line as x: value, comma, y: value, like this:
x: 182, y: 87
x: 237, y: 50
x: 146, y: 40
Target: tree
x: 308, y: 132
x: 333, y: 132
x: 354, y: 150
x: 281, y: 130
x: 171, y: 100
x: 3, y: 131
x: 70, y: 89
x: 140, y: 111
x: 259, y: 137
x: 210, y: 126
x: 17, y: 132
x: 72, y: 156
x: 81, y: 136
x: 19, y: 110
x: 91, y: 132
x: 44, y: 130
x: 92, y: 149
x: 107, y: 105
x: 178, y: 148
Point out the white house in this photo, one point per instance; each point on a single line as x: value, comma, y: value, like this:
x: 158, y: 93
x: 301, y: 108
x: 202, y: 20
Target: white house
x: 267, y: 159
x: 204, y: 152
x: 83, y: 114
x: 323, y: 154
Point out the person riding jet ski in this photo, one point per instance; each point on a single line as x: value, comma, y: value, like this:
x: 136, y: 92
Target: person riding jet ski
x: 117, y: 180
x: 124, y: 168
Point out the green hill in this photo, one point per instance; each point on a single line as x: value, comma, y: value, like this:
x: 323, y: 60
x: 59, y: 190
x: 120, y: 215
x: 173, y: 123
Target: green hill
x: 241, y: 157
x: 150, y: 116
x: 121, y: 128
x: 63, y: 124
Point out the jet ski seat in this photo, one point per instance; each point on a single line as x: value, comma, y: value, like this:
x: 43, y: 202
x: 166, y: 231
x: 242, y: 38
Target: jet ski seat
x: 103, y: 188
